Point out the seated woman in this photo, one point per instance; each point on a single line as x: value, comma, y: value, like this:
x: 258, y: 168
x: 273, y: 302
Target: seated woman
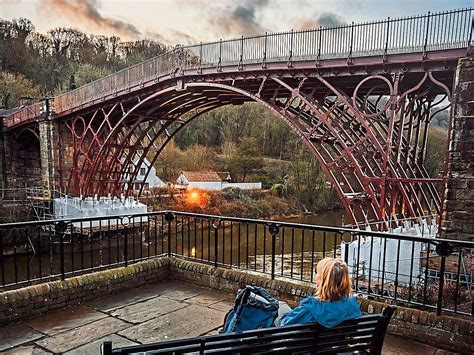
x: 334, y: 302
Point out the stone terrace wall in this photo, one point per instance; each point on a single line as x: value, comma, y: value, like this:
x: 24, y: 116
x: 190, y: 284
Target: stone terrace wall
x: 458, y: 215
x: 442, y: 331
x: 38, y: 299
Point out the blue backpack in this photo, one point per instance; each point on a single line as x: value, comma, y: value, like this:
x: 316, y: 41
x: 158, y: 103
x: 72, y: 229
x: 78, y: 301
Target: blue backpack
x: 254, y: 308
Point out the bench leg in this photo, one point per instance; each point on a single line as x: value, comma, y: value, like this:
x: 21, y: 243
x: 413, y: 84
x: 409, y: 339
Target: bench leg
x: 106, y: 348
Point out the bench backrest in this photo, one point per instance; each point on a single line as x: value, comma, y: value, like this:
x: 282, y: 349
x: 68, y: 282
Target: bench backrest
x: 364, y: 334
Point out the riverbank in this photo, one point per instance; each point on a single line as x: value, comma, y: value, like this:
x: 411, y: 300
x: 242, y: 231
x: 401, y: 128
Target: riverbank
x: 239, y: 203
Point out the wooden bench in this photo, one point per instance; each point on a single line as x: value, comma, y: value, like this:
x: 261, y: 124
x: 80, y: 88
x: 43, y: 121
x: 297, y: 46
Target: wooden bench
x: 363, y: 335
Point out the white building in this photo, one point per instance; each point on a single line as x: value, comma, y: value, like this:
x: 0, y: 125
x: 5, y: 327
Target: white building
x: 211, y: 181
x: 151, y: 181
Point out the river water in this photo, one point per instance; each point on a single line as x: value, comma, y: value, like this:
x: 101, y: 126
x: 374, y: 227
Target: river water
x: 241, y: 245
x: 333, y: 218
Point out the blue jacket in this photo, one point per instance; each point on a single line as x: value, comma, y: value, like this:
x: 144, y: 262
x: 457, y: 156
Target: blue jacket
x: 328, y: 314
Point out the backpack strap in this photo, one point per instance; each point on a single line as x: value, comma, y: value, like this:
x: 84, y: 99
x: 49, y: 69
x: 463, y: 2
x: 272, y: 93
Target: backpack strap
x: 242, y: 297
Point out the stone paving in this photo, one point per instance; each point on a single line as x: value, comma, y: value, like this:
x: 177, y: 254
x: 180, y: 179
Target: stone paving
x: 151, y: 313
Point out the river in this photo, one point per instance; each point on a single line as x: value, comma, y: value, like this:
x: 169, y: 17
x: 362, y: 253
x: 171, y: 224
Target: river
x: 241, y: 245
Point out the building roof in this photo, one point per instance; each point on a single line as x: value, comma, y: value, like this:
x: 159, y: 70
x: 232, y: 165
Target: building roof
x: 202, y: 176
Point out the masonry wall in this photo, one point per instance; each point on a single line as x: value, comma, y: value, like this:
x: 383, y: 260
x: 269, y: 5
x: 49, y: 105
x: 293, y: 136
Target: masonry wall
x: 458, y: 215
x: 38, y: 299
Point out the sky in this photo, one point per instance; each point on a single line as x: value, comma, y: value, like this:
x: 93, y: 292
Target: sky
x: 192, y: 21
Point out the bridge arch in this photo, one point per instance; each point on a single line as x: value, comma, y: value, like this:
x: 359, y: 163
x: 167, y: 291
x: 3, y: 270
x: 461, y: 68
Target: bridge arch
x: 24, y: 158
x: 349, y: 143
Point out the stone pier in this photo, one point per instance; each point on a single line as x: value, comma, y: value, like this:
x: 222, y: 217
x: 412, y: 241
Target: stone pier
x: 458, y: 215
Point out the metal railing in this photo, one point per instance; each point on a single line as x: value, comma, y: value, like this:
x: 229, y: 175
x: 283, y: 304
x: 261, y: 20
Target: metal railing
x: 414, y: 271
x: 413, y: 34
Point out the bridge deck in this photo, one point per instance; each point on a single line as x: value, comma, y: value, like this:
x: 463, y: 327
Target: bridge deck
x: 149, y: 314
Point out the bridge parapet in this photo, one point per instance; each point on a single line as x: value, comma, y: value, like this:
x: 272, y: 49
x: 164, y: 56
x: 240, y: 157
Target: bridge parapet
x: 23, y: 116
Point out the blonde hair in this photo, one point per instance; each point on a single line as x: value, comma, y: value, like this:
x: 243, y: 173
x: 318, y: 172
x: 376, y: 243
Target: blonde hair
x: 332, y: 280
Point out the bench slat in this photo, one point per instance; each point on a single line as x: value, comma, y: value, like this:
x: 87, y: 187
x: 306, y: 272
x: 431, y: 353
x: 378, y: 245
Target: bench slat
x: 348, y: 333
x: 342, y: 349
x: 336, y: 342
x: 259, y: 340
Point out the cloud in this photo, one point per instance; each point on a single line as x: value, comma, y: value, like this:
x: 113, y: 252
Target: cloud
x: 172, y: 38
x: 326, y: 19
x: 86, y: 11
x: 241, y: 20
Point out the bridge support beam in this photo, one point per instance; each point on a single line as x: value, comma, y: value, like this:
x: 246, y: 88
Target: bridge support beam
x: 457, y: 218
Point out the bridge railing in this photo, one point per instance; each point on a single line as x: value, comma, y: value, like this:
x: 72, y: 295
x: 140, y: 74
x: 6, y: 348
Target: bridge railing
x: 415, y: 271
x: 414, y: 34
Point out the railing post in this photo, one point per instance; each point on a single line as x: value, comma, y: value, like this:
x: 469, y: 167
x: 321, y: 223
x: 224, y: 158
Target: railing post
x: 125, y: 250
x: 442, y: 269
x: 290, y: 56
x: 386, y: 40
x: 443, y: 249
x: 215, y: 225
x: 200, y: 59
x: 318, y: 58
x: 264, y: 60
x: 349, y: 57
x: 169, y: 217
x: 273, y: 228
x: 346, y: 252
x: 469, y: 46
x: 426, y: 34
x: 241, y: 66
x: 128, y: 79
x: 61, y: 228
x: 157, y: 70
x: 219, y: 63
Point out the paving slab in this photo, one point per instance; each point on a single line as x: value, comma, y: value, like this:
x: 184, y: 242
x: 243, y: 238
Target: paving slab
x: 94, y: 347
x: 207, y: 298
x: 223, y: 306
x: 187, y: 322
x: 143, y: 311
x: 394, y: 345
x: 140, y: 294
x: 182, y: 291
x: 17, y: 334
x: 76, y: 337
x: 64, y: 319
x: 27, y: 350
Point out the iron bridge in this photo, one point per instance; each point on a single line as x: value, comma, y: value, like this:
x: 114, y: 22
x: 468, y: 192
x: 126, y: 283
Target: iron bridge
x: 361, y: 97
